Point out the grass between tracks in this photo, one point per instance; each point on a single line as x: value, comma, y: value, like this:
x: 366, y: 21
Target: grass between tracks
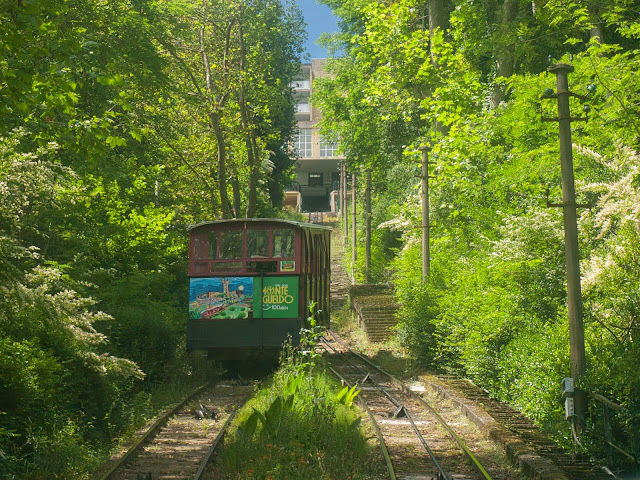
x: 303, y: 425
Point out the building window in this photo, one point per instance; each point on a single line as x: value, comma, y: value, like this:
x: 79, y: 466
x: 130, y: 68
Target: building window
x: 315, y: 180
x: 302, y: 142
x: 328, y: 149
x: 301, y: 84
x: 302, y: 108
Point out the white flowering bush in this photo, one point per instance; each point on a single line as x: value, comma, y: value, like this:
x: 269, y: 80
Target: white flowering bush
x: 57, y: 376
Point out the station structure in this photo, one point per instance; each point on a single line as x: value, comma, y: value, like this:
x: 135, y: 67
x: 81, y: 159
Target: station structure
x: 317, y: 166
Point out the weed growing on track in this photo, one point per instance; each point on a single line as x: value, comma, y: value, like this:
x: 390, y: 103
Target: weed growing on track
x: 302, y: 426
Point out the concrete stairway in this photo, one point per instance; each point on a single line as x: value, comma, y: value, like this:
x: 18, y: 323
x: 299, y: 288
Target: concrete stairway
x: 340, y: 281
x: 375, y: 306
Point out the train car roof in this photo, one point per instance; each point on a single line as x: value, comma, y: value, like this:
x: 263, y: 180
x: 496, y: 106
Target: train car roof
x: 260, y: 220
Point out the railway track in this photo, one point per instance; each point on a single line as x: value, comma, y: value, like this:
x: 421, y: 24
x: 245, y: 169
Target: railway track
x: 180, y: 444
x: 417, y: 442
x: 518, y: 426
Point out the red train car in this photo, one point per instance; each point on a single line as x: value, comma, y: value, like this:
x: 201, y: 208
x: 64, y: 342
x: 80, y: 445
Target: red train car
x: 252, y: 282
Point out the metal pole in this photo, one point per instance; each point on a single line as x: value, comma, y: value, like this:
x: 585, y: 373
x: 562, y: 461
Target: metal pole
x: 426, y: 254
x: 574, y: 293
x: 367, y: 216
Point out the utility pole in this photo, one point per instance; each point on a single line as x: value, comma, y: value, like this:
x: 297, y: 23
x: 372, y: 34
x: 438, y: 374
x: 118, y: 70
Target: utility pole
x: 343, y: 200
x: 572, y: 257
x: 426, y: 254
x: 367, y: 219
x: 354, y: 250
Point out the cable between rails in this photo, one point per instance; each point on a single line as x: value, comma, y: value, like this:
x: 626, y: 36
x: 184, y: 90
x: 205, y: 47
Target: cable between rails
x: 383, y: 445
x: 441, y: 473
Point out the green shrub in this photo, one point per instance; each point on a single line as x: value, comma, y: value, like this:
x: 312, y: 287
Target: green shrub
x: 148, y: 321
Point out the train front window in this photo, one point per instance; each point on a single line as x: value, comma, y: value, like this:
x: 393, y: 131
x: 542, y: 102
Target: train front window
x: 231, y: 244
x: 283, y: 243
x: 257, y: 243
x: 201, y: 246
x: 213, y: 245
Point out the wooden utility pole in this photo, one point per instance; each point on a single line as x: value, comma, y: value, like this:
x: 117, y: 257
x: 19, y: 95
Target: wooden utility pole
x: 572, y: 257
x: 426, y: 254
x: 343, y: 201
x: 354, y: 251
x: 367, y: 219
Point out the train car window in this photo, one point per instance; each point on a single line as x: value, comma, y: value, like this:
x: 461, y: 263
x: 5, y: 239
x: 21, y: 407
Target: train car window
x: 201, y: 246
x: 257, y: 243
x: 231, y: 244
x: 283, y: 243
x: 226, y: 267
x: 213, y: 245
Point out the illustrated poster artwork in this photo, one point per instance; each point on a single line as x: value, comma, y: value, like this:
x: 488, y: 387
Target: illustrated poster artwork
x: 220, y: 298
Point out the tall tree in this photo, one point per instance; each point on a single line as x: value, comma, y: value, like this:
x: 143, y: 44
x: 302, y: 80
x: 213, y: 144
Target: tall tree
x: 233, y: 66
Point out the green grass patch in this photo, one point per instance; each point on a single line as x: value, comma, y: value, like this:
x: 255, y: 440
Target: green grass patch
x: 303, y: 425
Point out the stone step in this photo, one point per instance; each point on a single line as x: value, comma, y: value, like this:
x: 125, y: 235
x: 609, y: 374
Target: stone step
x: 379, y: 325
x: 377, y: 314
x: 379, y: 328
x: 375, y: 311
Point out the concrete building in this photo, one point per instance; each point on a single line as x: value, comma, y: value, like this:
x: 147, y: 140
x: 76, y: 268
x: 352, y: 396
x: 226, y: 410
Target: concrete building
x: 317, y: 165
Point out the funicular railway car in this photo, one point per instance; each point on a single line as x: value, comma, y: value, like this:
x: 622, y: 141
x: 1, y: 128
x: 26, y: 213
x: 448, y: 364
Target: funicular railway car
x: 252, y: 282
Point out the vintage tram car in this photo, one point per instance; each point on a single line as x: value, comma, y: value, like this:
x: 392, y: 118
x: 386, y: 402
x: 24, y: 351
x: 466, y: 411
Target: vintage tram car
x: 252, y: 282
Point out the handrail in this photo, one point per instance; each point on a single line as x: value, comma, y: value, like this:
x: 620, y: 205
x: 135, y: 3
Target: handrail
x: 606, y: 405
x: 607, y: 402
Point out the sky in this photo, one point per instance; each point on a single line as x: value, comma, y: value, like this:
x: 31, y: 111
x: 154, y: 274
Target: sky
x: 319, y: 19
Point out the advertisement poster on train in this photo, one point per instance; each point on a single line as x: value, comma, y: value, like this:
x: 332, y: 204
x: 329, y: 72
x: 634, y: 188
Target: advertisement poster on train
x: 287, y: 265
x: 220, y: 298
x: 279, y: 297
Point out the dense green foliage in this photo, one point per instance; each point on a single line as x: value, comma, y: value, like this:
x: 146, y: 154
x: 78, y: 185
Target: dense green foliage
x: 108, y: 111
x: 466, y: 78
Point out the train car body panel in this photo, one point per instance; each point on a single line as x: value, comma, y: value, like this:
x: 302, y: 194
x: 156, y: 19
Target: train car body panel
x: 251, y: 283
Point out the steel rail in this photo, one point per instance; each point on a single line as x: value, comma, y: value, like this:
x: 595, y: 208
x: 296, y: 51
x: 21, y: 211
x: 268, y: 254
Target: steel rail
x: 463, y: 446
x: 376, y: 427
x: 442, y: 475
x: 157, y: 425
x: 218, y: 439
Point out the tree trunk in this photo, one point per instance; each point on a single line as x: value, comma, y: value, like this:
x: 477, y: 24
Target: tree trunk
x: 253, y: 155
x: 504, y: 52
x: 235, y: 187
x: 438, y: 18
x: 438, y: 14
x: 596, y: 32
x: 222, y: 165
x: 254, y: 177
